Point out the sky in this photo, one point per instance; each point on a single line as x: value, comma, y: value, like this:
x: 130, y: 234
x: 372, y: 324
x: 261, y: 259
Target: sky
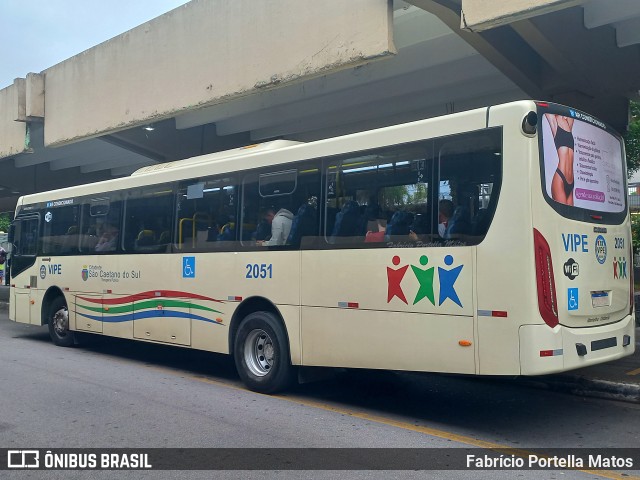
x: 37, y: 34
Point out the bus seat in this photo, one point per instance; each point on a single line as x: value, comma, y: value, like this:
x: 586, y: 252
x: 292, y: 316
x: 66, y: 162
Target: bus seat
x: 400, y: 224
x: 227, y: 232
x: 348, y: 221
x: 165, y: 237
x: 304, y: 224
x: 459, y: 223
x: 145, y: 238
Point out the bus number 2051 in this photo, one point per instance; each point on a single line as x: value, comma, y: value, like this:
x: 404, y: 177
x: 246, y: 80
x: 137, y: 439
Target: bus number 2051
x: 262, y: 270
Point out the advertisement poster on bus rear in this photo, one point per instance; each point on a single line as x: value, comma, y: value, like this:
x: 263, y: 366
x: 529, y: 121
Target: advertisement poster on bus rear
x: 583, y: 163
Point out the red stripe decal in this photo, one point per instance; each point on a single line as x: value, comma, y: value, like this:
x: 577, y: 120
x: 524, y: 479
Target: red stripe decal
x: 151, y: 294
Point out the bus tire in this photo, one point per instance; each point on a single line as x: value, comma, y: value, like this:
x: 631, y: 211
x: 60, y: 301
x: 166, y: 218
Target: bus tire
x: 58, y: 320
x: 261, y: 353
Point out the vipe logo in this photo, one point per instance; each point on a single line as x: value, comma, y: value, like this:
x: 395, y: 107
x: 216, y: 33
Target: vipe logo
x: 43, y: 272
x: 572, y: 113
x: 601, y: 249
x: 23, y: 459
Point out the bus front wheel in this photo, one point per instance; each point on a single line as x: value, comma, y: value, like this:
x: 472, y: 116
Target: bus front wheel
x: 261, y: 353
x: 58, y: 321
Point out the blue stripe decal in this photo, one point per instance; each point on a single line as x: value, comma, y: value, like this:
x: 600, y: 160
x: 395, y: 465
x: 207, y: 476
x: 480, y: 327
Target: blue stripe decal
x: 146, y: 314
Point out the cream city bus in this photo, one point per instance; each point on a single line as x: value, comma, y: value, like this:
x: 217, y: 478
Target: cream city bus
x: 491, y: 242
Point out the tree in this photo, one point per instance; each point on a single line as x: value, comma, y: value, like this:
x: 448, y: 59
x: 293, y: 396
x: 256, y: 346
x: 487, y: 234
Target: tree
x: 393, y: 197
x: 632, y: 140
x: 5, y: 221
x: 632, y: 146
x: 635, y: 232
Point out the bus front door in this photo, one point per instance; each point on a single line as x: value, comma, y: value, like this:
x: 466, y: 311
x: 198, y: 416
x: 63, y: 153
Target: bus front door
x: 23, y: 239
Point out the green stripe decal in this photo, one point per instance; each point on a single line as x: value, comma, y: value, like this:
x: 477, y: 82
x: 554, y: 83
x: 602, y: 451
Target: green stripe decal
x: 148, y: 304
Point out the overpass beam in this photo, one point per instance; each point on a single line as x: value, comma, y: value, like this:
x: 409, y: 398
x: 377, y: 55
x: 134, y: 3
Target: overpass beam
x: 479, y: 15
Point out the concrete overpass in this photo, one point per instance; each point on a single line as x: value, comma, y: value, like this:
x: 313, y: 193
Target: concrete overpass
x: 213, y: 75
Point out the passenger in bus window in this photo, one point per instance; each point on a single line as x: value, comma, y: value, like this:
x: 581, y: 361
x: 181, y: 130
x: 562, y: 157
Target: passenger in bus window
x: 280, y: 228
x: 445, y: 212
x: 376, y: 230
x: 372, y: 214
x: 562, y: 183
x: 108, y: 240
x: 263, y: 229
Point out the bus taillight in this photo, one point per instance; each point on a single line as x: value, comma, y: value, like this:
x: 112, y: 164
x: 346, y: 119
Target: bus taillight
x: 547, y: 301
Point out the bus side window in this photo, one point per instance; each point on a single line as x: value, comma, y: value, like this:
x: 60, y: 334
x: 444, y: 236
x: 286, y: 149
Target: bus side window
x: 380, y: 197
x: 26, y: 237
x: 268, y: 206
x: 148, y: 219
x: 60, y: 230
x: 25, y: 243
x: 305, y: 228
x: 470, y: 167
x: 206, y: 211
x: 100, y: 225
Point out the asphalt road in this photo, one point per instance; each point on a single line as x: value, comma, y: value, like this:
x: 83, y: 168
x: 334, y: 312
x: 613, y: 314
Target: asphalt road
x: 129, y: 394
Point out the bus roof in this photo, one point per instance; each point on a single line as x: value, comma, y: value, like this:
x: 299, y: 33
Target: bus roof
x: 212, y: 157
x: 283, y: 151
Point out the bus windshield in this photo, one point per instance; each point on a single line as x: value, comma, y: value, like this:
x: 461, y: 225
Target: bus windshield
x: 582, y: 164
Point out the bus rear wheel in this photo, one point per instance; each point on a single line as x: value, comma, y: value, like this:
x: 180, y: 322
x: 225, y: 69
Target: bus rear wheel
x: 261, y: 353
x: 58, y: 320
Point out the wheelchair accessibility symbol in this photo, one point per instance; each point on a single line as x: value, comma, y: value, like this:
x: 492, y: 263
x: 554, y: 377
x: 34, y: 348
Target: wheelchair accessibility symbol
x: 572, y: 297
x: 188, y: 267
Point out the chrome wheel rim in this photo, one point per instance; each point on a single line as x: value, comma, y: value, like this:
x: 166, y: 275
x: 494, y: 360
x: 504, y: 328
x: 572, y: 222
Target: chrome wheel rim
x: 259, y: 352
x: 61, y: 322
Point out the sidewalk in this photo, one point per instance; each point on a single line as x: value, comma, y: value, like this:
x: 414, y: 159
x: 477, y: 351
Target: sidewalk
x: 618, y: 380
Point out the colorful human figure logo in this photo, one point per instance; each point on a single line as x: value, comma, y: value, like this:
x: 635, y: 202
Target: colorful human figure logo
x: 394, y: 279
x: 447, y: 278
x: 619, y: 267
x: 425, y: 278
x: 623, y: 267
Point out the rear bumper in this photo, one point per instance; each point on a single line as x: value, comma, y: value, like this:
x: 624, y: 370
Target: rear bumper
x: 561, y: 346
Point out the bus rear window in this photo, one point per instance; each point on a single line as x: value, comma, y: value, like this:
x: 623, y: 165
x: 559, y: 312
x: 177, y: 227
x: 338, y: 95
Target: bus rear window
x: 582, y: 162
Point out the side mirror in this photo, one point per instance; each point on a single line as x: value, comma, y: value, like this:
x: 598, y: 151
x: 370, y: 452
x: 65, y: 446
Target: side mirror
x: 530, y: 124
